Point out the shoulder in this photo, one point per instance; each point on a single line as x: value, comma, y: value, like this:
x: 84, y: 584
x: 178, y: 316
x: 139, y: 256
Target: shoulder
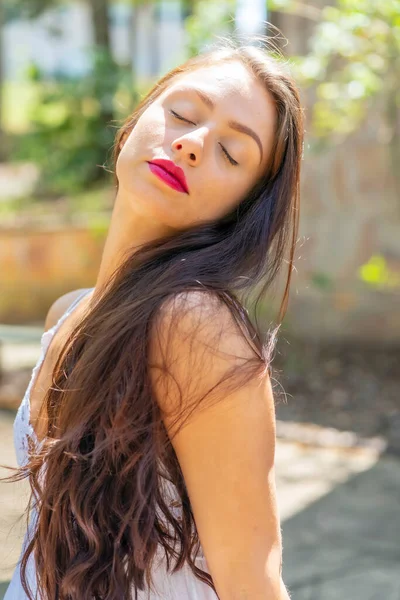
x: 59, y: 306
x: 201, y: 313
x: 198, y: 350
x: 194, y: 320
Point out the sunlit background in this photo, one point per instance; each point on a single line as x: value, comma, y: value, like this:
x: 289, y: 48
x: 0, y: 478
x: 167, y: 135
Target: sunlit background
x: 69, y: 73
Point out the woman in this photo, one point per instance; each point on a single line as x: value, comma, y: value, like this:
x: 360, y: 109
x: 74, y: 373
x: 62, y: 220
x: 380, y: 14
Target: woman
x: 151, y: 410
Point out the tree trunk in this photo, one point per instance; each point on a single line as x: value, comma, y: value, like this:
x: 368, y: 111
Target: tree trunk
x: 101, y: 28
x: 133, y: 29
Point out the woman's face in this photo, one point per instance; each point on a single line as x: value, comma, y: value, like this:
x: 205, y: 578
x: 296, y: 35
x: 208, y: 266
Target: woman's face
x: 216, y: 124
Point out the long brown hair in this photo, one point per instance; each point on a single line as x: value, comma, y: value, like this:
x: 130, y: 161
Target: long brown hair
x: 103, y: 513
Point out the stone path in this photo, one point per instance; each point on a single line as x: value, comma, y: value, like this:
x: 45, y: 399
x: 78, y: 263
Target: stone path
x: 345, y: 543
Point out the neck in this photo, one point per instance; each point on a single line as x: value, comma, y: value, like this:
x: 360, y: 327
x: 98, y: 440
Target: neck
x: 129, y: 229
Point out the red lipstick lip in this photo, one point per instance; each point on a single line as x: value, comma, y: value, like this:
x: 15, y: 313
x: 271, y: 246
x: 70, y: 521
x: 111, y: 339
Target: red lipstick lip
x: 173, y: 170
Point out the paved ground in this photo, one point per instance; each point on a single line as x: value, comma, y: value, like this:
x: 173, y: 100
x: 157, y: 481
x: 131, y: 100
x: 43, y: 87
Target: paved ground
x: 339, y: 509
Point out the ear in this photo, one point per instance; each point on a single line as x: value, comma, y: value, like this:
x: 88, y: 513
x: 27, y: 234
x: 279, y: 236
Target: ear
x: 125, y: 135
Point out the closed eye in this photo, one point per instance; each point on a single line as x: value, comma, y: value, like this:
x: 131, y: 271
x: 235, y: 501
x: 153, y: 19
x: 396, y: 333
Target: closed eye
x: 224, y: 150
x: 228, y: 156
x: 180, y: 117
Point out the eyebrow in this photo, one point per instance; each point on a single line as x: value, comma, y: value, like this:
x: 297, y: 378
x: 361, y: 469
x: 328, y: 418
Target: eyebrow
x: 232, y: 124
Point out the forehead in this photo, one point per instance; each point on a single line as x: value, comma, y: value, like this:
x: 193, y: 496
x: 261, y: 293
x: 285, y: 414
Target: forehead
x: 225, y: 75
x: 228, y: 81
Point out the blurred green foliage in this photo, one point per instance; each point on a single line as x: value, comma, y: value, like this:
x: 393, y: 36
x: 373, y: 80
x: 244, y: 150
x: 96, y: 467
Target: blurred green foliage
x: 72, y: 120
x: 377, y: 274
x: 353, y: 68
x: 207, y: 20
x: 354, y: 55
x: 71, y: 129
x: 322, y: 281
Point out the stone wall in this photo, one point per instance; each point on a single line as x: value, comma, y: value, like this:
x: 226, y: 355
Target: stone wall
x: 350, y: 223
x: 37, y: 265
x: 347, y: 279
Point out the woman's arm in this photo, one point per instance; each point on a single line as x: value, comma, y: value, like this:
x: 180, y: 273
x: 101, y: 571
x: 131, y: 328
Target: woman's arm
x: 226, y: 451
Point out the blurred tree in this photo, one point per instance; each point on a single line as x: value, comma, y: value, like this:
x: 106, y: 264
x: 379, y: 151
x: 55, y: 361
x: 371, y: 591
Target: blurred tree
x: 101, y: 29
x: 140, y: 6
x: 353, y: 63
x: 68, y: 138
x: 72, y: 118
x: 99, y: 13
x: 8, y: 10
x: 101, y: 24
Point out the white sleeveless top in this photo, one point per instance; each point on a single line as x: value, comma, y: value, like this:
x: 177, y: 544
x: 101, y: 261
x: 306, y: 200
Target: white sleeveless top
x: 182, y: 585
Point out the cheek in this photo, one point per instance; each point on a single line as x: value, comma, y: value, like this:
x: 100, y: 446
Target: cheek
x: 230, y: 189
x: 144, y: 140
x: 218, y: 197
x: 147, y: 133
x: 150, y: 127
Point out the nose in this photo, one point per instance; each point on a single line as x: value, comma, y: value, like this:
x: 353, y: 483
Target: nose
x: 188, y: 148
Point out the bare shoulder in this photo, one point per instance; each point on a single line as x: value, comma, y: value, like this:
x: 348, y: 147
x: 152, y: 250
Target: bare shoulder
x: 199, y: 354
x: 59, y: 306
x: 199, y: 315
